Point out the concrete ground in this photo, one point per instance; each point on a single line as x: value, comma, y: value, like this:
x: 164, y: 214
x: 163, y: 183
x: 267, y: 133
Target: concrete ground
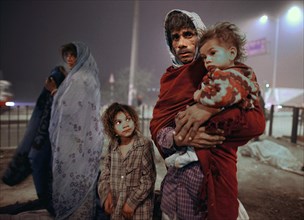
x: 267, y: 193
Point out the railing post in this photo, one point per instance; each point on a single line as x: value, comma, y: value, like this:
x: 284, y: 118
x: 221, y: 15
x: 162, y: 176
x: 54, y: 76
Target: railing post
x: 271, y: 120
x: 0, y: 127
x: 27, y: 112
x: 294, y: 130
x: 18, y: 123
x: 143, y: 119
x: 9, y: 127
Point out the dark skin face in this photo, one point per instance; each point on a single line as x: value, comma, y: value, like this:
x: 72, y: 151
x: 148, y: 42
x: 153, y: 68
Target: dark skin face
x: 70, y: 59
x: 184, y: 43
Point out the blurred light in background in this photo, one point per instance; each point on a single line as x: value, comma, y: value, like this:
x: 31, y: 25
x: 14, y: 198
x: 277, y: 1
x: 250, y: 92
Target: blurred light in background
x: 294, y: 15
x: 10, y: 104
x: 291, y: 22
x: 264, y: 19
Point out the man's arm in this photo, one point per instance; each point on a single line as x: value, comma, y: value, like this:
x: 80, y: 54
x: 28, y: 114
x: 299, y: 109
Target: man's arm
x: 169, y: 142
x: 201, y: 139
x: 250, y: 123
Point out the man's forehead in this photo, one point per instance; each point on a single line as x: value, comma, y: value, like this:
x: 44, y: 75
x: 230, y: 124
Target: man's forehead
x: 182, y: 30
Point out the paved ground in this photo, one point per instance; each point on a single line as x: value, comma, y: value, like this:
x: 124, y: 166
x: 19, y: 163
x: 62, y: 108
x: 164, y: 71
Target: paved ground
x: 268, y: 193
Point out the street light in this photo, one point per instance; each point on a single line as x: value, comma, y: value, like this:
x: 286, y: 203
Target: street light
x: 293, y: 16
x: 112, y: 81
x: 133, y: 61
x: 264, y: 19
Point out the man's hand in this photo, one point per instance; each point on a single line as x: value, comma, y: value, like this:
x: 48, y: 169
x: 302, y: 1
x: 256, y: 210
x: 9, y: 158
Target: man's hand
x: 127, y: 211
x: 109, y: 208
x: 191, y: 119
x: 201, y: 139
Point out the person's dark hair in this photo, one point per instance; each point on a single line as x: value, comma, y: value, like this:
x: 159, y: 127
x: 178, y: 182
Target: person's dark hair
x: 68, y: 48
x: 177, y: 20
x: 109, y: 115
x: 228, y: 34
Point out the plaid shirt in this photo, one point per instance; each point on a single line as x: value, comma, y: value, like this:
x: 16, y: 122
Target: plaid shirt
x: 131, y: 179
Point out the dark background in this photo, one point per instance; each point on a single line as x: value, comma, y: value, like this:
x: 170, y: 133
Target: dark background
x: 31, y: 33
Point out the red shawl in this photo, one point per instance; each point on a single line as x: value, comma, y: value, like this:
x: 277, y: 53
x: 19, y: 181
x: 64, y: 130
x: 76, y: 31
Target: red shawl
x: 219, y: 164
x: 177, y: 87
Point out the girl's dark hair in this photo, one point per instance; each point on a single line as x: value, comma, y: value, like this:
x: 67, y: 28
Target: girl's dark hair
x: 228, y: 34
x: 68, y: 48
x: 109, y: 115
x: 176, y: 21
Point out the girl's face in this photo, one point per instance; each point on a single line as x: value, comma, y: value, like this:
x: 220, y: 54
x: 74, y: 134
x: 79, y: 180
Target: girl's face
x: 123, y: 125
x: 70, y: 59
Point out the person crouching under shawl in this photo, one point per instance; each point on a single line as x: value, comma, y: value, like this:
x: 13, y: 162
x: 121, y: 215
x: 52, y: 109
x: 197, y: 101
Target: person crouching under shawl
x: 33, y: 154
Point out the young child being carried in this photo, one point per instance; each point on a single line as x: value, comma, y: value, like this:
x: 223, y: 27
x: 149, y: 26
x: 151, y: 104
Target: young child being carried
x: 227, y: 83
x: 126, y: 184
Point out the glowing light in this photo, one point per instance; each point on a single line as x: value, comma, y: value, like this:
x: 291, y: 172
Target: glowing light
x: 264, y: 19
x: 10, y: 103
x: 294, y: 14
x: 267, y: 85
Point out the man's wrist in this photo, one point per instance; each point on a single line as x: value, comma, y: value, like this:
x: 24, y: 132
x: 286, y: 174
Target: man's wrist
x: 211, y: 110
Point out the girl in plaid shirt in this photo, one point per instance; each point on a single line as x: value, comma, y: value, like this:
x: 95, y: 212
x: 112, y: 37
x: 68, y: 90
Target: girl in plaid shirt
x: 126, y: 184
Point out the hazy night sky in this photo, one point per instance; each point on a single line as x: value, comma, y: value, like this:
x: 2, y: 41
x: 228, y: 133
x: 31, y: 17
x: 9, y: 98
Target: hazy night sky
x: 31, y: 33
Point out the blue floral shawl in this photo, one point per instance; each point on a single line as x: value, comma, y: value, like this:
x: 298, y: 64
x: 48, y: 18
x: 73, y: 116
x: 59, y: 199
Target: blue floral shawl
x: 76, y: 134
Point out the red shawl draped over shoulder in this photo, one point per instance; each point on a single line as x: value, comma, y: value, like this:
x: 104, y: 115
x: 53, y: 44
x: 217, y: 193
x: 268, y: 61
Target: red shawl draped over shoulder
x: 177, y: 87
x: 218, y: 164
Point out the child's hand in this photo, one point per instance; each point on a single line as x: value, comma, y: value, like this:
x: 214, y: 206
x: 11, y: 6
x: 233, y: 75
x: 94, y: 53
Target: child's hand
x: 50, y: 84
x: 127, y: 211
x: 109, y: 208
x: 197, y: 95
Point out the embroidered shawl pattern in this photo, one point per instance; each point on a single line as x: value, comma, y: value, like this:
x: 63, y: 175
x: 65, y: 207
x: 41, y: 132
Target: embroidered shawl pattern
x: 76, y: 134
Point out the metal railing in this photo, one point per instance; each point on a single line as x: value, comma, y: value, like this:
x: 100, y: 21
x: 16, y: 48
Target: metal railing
x: 14, y: 120
x: 286, y: 121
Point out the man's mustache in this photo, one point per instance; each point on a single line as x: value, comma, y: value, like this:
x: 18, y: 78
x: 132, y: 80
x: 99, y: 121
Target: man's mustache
x: 183, y: 51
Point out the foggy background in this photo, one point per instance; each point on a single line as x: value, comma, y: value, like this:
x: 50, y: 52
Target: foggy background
x: 31, y: 33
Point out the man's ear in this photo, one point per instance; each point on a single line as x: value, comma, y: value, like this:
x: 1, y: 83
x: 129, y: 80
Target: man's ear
x: 233, y: 53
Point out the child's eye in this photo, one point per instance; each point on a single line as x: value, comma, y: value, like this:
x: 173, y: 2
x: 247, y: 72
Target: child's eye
x: 128, y: 119
x: 118, y: 122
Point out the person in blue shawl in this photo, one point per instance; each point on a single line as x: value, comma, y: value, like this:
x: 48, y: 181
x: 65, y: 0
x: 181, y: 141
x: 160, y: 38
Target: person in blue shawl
x: 76, y: 136
x: 33, y: 154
